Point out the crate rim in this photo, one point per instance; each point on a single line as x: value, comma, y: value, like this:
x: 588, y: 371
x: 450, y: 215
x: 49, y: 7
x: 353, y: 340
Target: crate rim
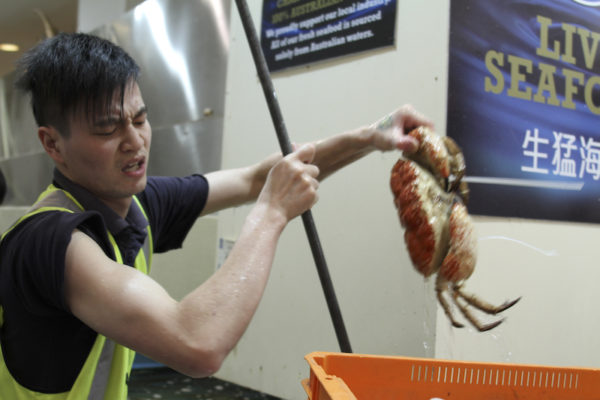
x: 313, y: 354
x: 325, y: 381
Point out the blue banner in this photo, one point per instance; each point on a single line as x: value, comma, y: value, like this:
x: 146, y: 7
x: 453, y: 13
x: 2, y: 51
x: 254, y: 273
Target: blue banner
x: 297, y: 32
x: 524, y: 105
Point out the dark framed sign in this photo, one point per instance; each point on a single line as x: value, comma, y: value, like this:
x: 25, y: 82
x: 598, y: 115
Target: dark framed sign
x: 297, y: 32
x: 524, y: 105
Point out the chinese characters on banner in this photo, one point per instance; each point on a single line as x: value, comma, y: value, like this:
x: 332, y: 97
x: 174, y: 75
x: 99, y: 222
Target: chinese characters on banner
x: 524, y: 105
x: 297, y: 32
x: 566, y: 152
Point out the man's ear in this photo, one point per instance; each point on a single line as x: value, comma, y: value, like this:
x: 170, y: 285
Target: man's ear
x: 52, y: 142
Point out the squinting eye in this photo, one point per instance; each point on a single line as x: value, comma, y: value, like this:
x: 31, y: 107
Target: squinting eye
x: 106, y: 133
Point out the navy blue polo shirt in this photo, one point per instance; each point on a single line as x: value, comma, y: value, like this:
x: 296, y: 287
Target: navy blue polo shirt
x: 43, y: 344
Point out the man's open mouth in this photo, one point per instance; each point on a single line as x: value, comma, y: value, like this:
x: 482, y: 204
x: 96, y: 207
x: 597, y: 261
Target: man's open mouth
x: 133, y: 166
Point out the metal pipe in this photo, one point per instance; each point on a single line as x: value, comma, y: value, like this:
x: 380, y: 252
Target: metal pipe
x: 286, y: 148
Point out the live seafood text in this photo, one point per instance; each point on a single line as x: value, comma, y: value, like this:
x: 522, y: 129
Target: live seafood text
x: 523, y: 70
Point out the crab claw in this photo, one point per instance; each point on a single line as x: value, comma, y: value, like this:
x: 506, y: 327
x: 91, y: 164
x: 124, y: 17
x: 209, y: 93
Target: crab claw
x: 431, y: 154
x: 507, y: 304
x: 483, y: 306
x: 490, y: 326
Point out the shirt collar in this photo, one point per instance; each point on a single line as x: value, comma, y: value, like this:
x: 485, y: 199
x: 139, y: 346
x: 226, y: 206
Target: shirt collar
x: 115, y: 224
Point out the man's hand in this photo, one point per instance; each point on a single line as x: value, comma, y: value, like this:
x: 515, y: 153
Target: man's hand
x: 390, y: 131
x: 291, y: 185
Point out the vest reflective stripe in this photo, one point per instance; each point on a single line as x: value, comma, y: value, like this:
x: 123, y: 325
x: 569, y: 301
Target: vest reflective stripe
x: 102, y: 374
x: 105, y: 371
x: 148, y: 248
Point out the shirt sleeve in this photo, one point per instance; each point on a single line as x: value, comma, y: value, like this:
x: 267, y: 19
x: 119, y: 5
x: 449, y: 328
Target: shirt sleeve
x: 173, y: 204
x: 32, y: 265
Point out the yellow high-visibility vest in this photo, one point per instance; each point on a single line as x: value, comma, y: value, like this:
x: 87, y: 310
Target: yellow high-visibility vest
x: 105, y: 371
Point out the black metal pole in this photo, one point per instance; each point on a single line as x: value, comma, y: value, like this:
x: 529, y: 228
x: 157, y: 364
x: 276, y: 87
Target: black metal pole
x: 286, y: 148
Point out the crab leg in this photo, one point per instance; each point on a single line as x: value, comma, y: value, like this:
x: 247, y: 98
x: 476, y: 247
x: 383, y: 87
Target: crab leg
x: 483, y: 305
x: 446, y: 308
x: 468, y: 315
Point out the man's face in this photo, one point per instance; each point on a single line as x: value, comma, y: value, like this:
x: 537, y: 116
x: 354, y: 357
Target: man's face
x: 109, y: 156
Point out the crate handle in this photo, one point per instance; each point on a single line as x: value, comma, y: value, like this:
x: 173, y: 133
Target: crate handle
x: 306, y: 386
x: 473, y: 375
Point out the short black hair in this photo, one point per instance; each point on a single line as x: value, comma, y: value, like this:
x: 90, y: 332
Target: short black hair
x: 71, y: 72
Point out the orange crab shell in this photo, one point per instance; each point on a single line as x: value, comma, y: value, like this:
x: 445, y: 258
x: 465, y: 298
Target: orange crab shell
x: 460, y: 261
x: 432, y: 152
x: 420, y: 235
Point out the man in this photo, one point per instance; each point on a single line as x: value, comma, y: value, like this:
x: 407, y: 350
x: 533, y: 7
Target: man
x: 73, y: 286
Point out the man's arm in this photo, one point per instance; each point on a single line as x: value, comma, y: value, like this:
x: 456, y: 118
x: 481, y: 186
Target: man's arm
x: 229, y: 188
x: 389, y: 133
x: 233, y: 187
x: 194, y: 335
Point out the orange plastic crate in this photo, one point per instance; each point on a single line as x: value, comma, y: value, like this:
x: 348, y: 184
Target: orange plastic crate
x: 340, y: 376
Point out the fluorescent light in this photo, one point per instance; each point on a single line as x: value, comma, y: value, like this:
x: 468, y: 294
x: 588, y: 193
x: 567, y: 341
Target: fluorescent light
x: 10, y: 47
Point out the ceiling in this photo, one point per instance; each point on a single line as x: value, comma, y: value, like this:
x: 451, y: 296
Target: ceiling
x: 20, y: 24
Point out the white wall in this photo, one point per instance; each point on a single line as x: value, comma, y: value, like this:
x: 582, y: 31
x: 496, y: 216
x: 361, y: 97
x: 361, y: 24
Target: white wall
x: 92, y: 14
x: 554, y: 266
x: 387, y: 307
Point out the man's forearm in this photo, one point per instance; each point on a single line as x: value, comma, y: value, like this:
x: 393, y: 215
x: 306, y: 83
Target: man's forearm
x: 218, y: 312
x: 234, y: 187
x: 343, y: 149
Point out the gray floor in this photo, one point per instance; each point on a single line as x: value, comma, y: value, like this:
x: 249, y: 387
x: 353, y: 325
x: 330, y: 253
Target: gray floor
x: 166, y: 384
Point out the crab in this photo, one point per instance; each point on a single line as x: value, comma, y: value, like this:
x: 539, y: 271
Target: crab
x: 431, y: 198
